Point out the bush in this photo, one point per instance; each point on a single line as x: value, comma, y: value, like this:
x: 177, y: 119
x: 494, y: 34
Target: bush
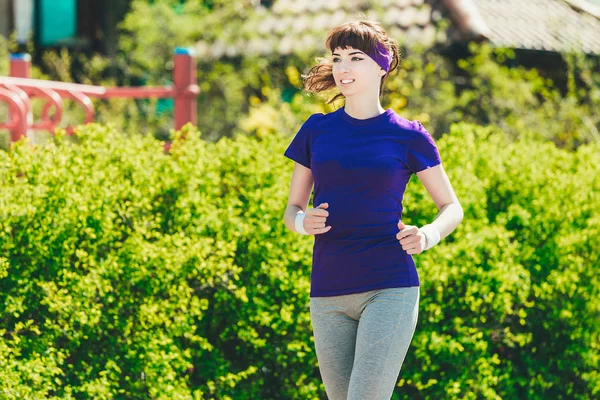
x: 129, y: 273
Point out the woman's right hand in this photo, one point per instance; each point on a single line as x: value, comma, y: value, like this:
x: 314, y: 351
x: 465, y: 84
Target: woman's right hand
x: 314, y: 221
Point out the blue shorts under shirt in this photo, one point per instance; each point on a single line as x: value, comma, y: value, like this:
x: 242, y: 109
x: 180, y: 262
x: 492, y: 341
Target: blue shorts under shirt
x: 361, y: 168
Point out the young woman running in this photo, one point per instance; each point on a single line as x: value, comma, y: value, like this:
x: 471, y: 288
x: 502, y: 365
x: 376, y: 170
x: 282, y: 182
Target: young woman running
x: 364, y: 295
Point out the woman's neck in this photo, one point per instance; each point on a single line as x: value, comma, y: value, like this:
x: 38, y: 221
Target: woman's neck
x: 363, y: 108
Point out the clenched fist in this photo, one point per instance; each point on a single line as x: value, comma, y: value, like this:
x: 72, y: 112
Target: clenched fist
x: 411, y: 238
x: 315, y: 218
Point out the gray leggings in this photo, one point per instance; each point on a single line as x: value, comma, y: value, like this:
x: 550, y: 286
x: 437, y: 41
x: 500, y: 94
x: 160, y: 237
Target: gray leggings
x: 361, y: 340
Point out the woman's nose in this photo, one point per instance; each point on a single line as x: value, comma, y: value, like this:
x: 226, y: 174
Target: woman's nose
x: 343, y: 66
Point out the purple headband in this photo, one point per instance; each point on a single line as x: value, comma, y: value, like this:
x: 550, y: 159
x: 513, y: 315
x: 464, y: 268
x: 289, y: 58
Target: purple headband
x: 381, y: 57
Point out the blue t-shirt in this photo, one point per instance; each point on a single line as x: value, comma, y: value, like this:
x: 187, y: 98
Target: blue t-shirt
x: 361, y: 168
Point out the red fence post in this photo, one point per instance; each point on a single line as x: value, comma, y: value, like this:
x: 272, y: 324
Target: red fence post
x: 185, y: 83
x: 20, y: 65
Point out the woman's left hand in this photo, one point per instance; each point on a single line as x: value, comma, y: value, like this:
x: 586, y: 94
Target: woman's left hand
x: 411, y: 238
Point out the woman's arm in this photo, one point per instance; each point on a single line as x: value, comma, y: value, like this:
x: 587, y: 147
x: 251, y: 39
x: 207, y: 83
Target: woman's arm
x: 300, y: 189
x: 438, y: 185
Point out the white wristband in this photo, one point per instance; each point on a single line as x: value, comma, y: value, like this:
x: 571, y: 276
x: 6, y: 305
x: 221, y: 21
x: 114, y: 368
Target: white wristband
x: 432, y: 234
x: 299, y: 223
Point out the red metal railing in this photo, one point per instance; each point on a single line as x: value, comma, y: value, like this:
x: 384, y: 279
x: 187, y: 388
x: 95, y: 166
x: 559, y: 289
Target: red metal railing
x: 18, y: 89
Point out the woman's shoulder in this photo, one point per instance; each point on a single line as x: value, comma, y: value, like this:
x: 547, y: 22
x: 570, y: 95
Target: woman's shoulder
x: 404, y: 123
x: 406, y: 126
x: 317, y: 119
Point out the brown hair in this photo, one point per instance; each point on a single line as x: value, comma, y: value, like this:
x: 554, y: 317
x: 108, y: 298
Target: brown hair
x: 361, y: 34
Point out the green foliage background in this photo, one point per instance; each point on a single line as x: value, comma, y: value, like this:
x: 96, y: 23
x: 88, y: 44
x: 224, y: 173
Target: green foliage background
x: 130, y: 273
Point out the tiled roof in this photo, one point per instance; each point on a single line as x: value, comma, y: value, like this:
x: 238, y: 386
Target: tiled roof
x: 552, y: 25
x: 296, y: 26
x: 291, y: 26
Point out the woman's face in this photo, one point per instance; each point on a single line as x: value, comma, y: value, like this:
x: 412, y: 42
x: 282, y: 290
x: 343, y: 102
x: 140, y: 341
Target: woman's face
x: 352, y: 64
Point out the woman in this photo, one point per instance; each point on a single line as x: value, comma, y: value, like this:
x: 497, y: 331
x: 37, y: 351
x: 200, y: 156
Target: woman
x: 364, y: 295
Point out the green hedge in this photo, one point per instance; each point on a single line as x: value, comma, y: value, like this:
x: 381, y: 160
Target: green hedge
x: 129, y: 273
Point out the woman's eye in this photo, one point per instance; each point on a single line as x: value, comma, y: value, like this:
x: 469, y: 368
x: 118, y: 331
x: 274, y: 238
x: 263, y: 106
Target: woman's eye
x: 357, y: 58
